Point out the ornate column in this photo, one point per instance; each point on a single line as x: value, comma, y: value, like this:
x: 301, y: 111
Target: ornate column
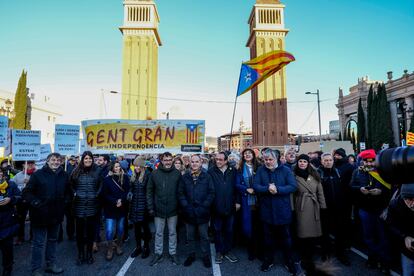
x: 409, y: 110
x: 394, y: 122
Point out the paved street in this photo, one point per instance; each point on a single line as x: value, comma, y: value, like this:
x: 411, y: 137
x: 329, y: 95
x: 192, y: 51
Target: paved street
x: 67, y: 257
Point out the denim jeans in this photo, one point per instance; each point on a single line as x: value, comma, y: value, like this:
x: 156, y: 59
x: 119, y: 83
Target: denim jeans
x: 374, y: 236
x: 223, y: 227
x: 42, y: 234
x: 202, y: 230
x: 114, y: 224
x: 159, y: 234
x: 407, y: 265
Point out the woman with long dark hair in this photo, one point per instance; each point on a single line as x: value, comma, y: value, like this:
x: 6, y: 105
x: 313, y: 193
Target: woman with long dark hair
x: 86, y: 185
x: 179, y: 164
x: 138, y: 213
x: 114, y: 196
x: 308, y: 201
x: 250, y: 217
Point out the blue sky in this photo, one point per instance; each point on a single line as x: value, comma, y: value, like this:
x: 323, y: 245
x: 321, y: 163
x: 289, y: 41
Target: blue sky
x: 72, y: 50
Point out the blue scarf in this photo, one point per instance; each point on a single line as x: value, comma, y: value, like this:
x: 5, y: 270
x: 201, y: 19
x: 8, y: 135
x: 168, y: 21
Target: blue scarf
x: 248, y: 179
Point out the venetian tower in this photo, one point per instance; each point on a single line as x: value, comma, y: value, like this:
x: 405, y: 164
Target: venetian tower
x: 269, y: 103
x: 140, y: 60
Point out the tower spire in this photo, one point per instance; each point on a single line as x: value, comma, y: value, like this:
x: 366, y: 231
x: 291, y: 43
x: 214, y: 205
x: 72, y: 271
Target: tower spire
x: 269, y: 102
x: 140, y: 60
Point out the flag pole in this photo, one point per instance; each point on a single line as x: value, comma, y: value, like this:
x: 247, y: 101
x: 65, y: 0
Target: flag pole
x: 234, y: 108
x: 232, y: 122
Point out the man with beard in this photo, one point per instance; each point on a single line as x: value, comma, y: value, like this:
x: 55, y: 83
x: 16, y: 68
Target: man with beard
x: 372, y: 196
x: 47, y: 192
x: 335, y: 219
x: 162, y: 202
x: 103, y: 162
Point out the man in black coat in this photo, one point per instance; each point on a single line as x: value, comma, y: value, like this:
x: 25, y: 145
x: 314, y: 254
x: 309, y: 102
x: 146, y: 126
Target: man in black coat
x: 196, y: 194
x: 224, y: 207
x: 335, y: 219
x: 344, y: 167
x: 47, y: 192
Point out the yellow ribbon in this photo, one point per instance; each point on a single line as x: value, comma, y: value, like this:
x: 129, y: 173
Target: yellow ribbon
x: 380, y: 180
x: 3, y: 187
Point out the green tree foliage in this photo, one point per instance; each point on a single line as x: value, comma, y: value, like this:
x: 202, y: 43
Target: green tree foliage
x: 388, y: 136
x: 361, y: 126
x: 381, y: 127
x: 370, y: 134
x: 22, y: 105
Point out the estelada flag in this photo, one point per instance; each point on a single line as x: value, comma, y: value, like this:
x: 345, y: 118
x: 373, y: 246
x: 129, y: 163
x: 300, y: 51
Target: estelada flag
x: 410, y: 138
x: 255, y: 71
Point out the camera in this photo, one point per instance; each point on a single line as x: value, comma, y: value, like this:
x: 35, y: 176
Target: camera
x: 369, y: 188
x: 396, y: 165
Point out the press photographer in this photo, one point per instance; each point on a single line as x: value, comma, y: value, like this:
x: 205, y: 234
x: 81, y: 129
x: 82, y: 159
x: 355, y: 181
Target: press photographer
x: 397, y: 165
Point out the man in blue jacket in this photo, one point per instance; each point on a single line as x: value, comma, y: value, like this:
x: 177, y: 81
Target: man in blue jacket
x: 224, y: 207
x: 274, y: 183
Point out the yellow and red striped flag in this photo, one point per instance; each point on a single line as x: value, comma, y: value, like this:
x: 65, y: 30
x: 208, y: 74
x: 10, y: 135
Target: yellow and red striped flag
x: 257, y: 70
x: 410, y: 138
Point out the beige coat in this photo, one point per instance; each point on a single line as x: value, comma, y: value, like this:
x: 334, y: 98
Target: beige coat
x: 308, y: 200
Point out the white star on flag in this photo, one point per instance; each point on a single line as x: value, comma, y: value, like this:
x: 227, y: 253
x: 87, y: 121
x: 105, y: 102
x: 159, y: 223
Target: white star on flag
x: 248, y: 77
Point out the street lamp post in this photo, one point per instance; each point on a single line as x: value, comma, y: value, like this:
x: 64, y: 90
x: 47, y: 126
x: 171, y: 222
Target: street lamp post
x: 103, y: 103
x: 319, y: 115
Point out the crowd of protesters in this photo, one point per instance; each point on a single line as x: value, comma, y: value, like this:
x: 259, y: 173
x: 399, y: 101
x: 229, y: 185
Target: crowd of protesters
x: 307, y: 205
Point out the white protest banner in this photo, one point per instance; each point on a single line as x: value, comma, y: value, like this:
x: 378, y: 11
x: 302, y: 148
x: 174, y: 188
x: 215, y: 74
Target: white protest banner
x: 25, y: 145
x: 45, y: 150
x: 8, y: 147
x: 67, y: 139
x: 4, y: 124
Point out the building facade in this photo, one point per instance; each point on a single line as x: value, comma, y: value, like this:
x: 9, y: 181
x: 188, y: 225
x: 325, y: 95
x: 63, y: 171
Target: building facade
x: 141, y: 41
x: 269, y: 103
x: 239, y: 141
x: 400, y: 95
x: 44, y: 115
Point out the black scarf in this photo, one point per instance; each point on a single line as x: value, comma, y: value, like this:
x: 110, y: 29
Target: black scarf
x: 302, y: 173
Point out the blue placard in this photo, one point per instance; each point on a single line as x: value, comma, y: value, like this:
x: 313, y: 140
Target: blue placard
x: 4, y: 124
x: 67, y: 139
x: 45, y: 150
x: 26, y: 145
